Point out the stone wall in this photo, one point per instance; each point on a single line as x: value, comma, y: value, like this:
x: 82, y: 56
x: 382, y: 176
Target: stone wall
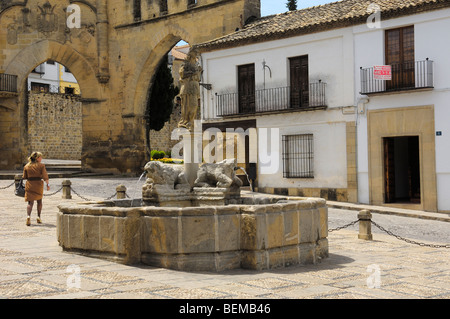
x: 55, y: 125
x: 161, y: 140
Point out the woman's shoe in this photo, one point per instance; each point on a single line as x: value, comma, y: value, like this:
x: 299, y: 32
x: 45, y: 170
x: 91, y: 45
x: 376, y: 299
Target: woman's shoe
x: 28, y: 221
x: 39, y: 221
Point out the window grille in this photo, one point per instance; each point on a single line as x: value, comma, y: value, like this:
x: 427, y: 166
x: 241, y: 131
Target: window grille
x: 298, y: 156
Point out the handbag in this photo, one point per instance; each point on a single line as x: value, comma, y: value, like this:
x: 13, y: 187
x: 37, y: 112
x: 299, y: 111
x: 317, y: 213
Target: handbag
x: 20, y: 189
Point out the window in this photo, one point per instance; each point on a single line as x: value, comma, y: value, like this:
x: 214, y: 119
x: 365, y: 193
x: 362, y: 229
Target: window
x: 137, y: 10
x: 400, y: 55
x: 69, y: 90
x: 163, y: 8
x: 40, y: 87
x: 191, y: 2
x: 299, y: 79
x: 298, y: 156
x: 246, y: 88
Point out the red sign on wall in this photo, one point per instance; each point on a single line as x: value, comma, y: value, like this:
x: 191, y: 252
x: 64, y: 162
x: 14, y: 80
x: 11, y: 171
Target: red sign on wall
x: 382, y: 72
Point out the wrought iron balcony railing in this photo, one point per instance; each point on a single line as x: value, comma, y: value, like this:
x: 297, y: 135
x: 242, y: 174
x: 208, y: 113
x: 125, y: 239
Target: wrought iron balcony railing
x: 8, y: 83
x: 405, y: 76
x: 271, y: 100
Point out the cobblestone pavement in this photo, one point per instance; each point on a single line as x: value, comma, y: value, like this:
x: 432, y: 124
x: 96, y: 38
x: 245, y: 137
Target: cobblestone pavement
x: 32, y: 265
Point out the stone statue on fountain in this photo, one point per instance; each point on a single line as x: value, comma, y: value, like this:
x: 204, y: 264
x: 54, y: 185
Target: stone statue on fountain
x: 183, y: 186
x: 190, y: 75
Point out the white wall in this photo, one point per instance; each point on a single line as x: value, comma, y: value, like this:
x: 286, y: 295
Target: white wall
x: 330, y: 56
x: 335, y: 57
x: 431, y: 41
x: 50, y: 76
x: 330, y: 59
x: 330, y: 159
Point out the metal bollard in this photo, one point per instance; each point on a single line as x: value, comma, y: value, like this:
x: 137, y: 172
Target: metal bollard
x: 121, y: 190
x: 365, y: 225
x: 66, y: 194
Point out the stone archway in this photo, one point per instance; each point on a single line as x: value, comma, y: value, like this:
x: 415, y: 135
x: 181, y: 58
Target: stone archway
x: 32, y: 56
x: 29, y: 58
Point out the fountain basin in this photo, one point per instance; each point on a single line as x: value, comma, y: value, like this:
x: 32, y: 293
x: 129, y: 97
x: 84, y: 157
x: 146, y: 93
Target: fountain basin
x: 250, y: 232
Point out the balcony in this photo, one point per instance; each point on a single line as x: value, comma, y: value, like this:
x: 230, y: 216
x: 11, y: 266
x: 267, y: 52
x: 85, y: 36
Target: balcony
x: 273, y: 100
x: 8, y: 85
x: 405, y: 76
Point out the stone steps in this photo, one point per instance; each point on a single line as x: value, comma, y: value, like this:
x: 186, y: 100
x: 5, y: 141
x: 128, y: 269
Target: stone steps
x: 57, y: 169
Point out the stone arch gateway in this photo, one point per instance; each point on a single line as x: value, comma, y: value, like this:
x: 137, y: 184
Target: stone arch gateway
x: 114, y: 54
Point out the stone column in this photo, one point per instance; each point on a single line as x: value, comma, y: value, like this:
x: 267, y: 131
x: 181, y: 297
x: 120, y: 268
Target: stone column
x: 121, y: 191
x: 190, y: 75
x: 102, y: 42
x: 365, y: 225
x: 66, y: 189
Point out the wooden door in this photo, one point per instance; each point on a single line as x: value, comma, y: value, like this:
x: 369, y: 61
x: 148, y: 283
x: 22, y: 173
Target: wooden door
x: 299, y: 81
x: 246, y: 88
x: 389, y: 170
x: 414, y: 169
x: 400, y: 55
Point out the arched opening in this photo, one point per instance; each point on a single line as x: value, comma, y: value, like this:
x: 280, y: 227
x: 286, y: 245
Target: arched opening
x: 54, y: 112
x: 168, y: 113
x: 27, y: 60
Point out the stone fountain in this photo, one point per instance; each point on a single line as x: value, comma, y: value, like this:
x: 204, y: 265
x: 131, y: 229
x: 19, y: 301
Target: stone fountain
x: 195, y: 218
x: 204, y: 228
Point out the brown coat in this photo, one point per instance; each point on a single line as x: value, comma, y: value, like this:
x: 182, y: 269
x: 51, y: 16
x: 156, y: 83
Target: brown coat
x: 34, y: 189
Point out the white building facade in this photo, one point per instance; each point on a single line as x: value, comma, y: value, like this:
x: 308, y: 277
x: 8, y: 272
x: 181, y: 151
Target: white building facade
x: 403, y: 127
x: 341, y: 134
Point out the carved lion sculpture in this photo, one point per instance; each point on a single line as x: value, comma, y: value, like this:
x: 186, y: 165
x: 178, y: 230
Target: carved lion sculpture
x: 220, y: 174
x: 165, y: 174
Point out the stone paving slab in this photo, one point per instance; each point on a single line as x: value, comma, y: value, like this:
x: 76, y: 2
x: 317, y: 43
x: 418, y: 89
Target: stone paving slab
x: 33, y: 266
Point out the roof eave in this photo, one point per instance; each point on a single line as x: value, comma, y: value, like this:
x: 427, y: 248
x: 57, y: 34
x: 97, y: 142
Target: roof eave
x: 326, y: 26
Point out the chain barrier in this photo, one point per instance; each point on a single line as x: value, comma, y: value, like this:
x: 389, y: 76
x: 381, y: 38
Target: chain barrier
x: 8, y: 186
x: 342, y: 227
x: 54, y: 193
x: 409, y: 240
x: 112, y: 196
x: 89, y: 200
x: 392, y: 234
x: 74, y: 191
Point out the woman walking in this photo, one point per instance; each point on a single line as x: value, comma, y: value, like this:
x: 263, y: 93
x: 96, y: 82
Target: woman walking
x: 34, y: 172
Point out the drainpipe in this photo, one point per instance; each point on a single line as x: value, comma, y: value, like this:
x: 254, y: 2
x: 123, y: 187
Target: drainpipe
x: 360, y: 109
x: 361, y: 105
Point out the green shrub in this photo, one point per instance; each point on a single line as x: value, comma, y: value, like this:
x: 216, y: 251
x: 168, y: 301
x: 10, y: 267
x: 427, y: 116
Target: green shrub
x: 155, y: 154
